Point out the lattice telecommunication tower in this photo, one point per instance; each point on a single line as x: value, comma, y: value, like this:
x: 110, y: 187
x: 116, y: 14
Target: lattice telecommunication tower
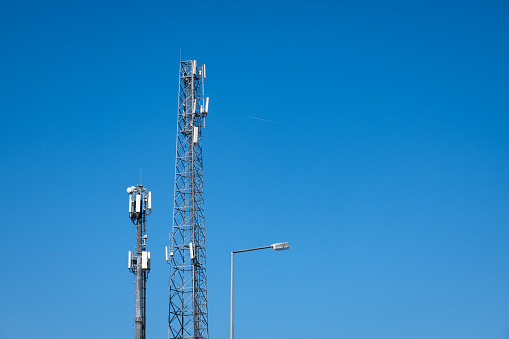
x: 188, y: 316
x: 140, y: 205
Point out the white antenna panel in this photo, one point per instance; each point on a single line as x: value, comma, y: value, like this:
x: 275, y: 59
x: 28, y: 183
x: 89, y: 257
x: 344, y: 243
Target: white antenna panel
x: 130, y: 203
x: 149, y: 200
x: 195, y: 134
x: 191, y: 250
x: 138, y: 202
x: 194, y: 66
x: 129, y: 260
x: 207, y: 105
x: 145, y: 259
x: 204, y: 73
x: 194, y: 106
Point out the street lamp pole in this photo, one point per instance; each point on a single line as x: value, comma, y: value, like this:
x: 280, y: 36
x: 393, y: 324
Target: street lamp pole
x: 278, y: 247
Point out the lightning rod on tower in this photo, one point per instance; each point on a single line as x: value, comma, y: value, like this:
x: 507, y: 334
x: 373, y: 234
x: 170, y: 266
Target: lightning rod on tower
x: 140, y: 205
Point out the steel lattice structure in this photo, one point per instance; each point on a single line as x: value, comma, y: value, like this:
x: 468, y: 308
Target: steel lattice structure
x: 188, y: 316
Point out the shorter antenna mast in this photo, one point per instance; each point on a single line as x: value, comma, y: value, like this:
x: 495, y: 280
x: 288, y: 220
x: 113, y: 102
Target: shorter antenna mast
x: 140, y: 205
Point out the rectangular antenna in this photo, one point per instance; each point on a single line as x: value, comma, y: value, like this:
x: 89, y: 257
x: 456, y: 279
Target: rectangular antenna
x: 138, y: 203
x: 145, y: 256
x: 195, y: 134
x: 191, y: 250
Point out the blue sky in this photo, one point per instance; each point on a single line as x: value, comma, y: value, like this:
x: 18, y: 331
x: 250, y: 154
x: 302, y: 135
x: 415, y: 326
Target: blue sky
x: 385, y: 167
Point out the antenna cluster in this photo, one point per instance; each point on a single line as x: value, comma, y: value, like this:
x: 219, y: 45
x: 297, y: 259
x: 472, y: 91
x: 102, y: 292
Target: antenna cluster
x: 139, y: 200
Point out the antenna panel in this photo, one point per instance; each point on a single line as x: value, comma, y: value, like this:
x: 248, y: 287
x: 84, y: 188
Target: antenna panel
x: 195, y: 135
x: 138, y: 203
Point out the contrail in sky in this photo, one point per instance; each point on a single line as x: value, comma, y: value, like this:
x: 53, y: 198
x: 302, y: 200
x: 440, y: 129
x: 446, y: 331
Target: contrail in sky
x: 274, y: 122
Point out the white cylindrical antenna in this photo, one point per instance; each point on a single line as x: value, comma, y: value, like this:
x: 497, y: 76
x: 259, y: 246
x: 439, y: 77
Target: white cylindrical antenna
x: 149, y: 202
x: 130, y: 203
x: 138, y: 202
x: 194, y: 66
x: 191, y: 250
x: 201, y: 109
x: 204, y: 73
x: 207, y: 105
x: 195, y: 134
x: 129, y: 260
x: 166, y: 253
x: 194, y: 106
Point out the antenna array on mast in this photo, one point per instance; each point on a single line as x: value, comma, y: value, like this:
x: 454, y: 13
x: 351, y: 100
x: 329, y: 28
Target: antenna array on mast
x: 140, y: 205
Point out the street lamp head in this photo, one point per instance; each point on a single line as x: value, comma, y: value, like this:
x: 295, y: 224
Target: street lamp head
x: 280, y: 246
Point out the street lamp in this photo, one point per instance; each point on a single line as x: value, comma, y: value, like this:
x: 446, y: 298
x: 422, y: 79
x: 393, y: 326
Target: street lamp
x: 280, y: 246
